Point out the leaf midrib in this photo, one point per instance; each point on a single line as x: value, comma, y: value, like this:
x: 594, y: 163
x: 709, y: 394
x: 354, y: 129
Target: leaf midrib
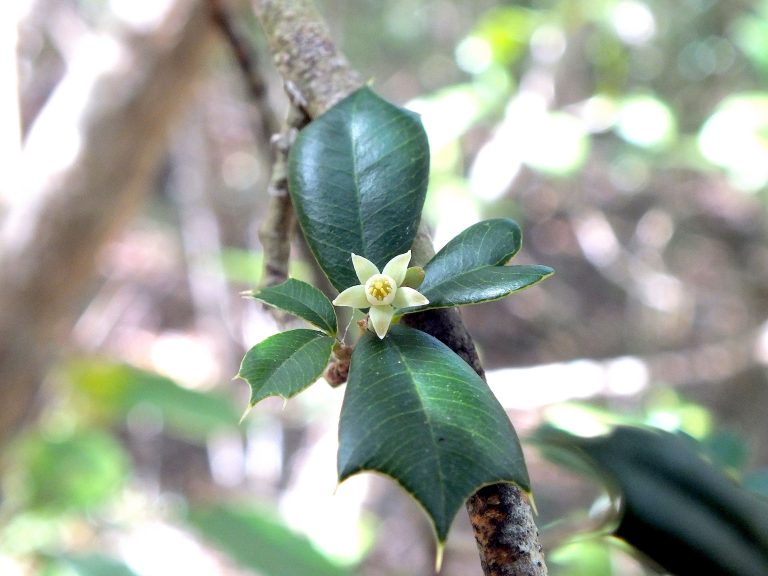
x: 430, y: 426
x: 277, y: 371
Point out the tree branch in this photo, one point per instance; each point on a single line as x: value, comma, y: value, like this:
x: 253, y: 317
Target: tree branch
x: 248, y: 64
x: 279, y: 223
x: 306, y: 56
x: 304, y: 53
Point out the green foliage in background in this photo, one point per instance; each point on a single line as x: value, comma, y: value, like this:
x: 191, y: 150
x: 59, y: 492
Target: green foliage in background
x: 107, y: 391
x: 256, y: 540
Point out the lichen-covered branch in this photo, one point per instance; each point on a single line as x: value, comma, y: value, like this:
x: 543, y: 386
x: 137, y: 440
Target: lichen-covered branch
x: 304, y: 53
x: 307, y: 57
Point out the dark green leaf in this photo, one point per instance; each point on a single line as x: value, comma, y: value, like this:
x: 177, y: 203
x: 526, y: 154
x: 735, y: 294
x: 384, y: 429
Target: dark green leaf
x: 286, y: 363
x: 417, y: 412
x: 757, y: 482
x: 470, y: 268
x: 727, y: 449
x: 256, y: 540
x: 358, y: 177
x: 302, y: 300
x: 676, y: 507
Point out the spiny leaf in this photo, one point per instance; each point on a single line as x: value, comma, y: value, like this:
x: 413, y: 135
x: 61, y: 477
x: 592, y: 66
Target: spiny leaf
x: 286, y: 363
x: 302, y: 300
x: 470, y: 268
x: 415, y: 411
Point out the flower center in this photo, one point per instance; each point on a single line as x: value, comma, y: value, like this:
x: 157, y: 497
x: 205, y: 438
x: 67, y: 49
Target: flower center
x: 380, y: 290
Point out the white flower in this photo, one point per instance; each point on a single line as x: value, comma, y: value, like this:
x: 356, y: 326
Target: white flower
x: 382, y: 292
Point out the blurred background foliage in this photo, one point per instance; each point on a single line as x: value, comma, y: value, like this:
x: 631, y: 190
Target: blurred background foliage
x: 630, y: 140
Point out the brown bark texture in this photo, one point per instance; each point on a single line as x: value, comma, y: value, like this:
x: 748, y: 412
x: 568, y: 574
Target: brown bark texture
x: 312, y: 66
x: 75, y: 193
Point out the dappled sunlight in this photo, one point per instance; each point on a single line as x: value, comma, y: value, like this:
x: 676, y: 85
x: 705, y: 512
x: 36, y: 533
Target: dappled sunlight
x: 634, y: 21
x: 645, y: 121
x: 734, y: 138
x: 185, y: 359
x: 536, y: 387
x: 627, y: 138
x: 157, y: 549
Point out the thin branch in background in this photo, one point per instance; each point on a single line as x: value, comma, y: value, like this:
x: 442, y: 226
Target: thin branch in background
x: 247, y: 61
x: 277, y: 228
x: 278, y: 224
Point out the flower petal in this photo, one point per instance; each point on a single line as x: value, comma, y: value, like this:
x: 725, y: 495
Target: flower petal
x: 364, y: 268
x: 381, y: 316
x: 407, y: 297
x: 397, y: 267
x: 354, y: 297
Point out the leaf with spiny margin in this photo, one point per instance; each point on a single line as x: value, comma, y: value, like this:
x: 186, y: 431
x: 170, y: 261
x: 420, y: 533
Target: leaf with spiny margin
x: 286, y: 363
x: 415, y: 411
x: 302, y: 300
x: 471, y: 267
x: 358, y: 178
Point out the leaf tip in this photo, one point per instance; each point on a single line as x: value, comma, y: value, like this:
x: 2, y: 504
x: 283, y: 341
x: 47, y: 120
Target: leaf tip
x: 532, y: 502
x: 245, y: 415
x: 439, y: 556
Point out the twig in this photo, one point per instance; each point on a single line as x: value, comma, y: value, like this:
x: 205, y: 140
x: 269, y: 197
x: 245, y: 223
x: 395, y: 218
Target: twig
x: 307, y: 57
x: 247, y: 62
x: 279, y: 222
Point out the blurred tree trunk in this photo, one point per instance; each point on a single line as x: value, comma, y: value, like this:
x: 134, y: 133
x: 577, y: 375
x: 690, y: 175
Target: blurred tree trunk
x: 89, y: 160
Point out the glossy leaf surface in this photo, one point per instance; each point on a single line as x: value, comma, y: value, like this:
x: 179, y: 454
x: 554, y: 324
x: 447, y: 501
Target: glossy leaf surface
x: 302, y: 300
x: 358, y: 177
x: 470, y: 268
x: 415, y: 411
x: 676, y: 507
x: 286, y: 363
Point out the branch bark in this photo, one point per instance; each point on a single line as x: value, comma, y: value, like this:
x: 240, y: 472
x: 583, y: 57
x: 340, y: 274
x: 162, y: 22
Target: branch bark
x: 279, y: 222
x: 308, y: 59
x: 90, y: 159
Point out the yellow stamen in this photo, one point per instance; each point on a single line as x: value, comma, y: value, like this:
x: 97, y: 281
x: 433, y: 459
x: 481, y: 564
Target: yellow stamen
x: 380, y: 288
